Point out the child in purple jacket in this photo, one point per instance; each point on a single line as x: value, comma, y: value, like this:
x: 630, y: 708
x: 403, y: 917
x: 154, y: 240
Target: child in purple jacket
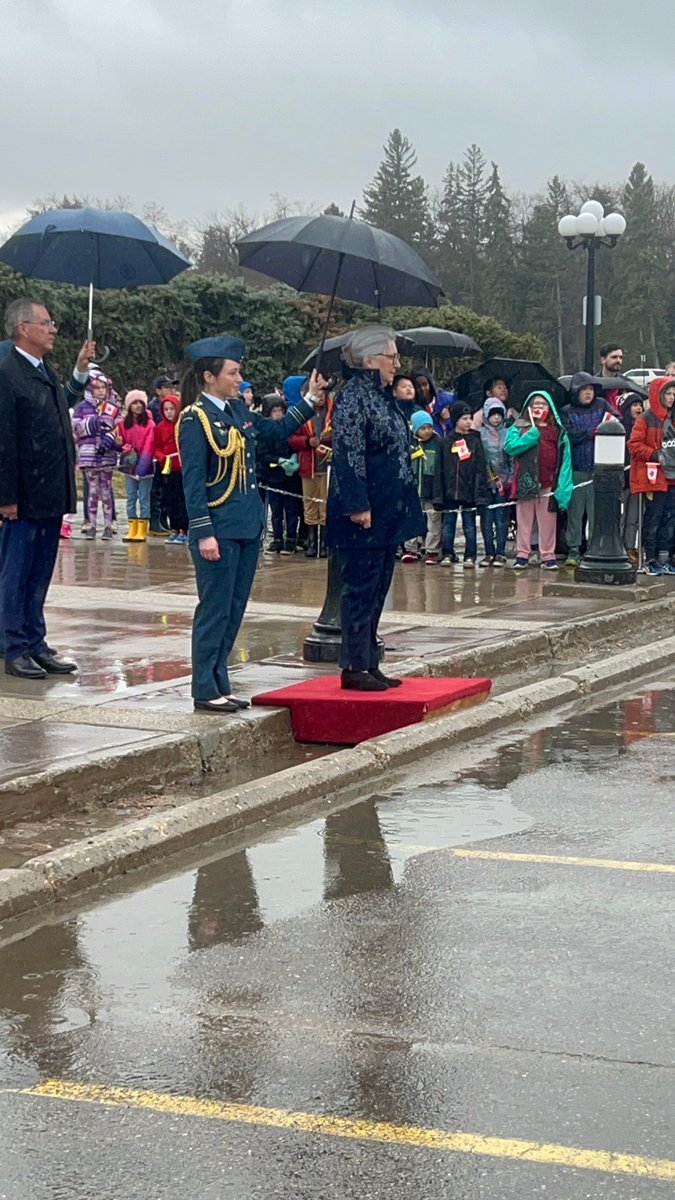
x: 94, y: 423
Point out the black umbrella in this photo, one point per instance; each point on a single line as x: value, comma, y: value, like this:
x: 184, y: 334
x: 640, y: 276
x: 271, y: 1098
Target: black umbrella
x: 521, y: 376
x: 338, y: 256
x: 331, y: 352
x: 609, y: 383
x: 440, y: 343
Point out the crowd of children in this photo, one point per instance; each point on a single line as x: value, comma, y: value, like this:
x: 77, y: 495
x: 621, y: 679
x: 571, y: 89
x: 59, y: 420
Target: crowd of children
x: 503, y: 469
x: 138, y: 441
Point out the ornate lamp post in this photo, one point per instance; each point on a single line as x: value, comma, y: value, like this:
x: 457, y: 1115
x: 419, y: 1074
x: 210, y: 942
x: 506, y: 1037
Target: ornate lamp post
x: 591, y: 228
x: 605, y: 560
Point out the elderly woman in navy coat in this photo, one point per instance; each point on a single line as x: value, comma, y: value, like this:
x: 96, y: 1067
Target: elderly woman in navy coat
x: 373, y: 504
x: 217, y: 437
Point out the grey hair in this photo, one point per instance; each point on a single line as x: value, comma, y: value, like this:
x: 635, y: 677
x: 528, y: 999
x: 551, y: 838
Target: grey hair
x: 16, y: 312
x: 368, y: 342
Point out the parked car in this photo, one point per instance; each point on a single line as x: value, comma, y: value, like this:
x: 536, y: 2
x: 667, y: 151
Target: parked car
x: 644, y: 375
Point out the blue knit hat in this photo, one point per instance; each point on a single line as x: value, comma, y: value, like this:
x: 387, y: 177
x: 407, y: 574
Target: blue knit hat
x: 419, y: 419
x: 244, y: 386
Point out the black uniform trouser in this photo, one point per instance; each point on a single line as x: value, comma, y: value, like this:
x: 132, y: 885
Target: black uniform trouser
x: 366, y: 578
x: 223, y: 588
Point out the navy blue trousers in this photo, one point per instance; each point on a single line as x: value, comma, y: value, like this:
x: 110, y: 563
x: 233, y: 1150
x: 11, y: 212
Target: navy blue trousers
x: 223, y: 588
x: 366, y: 578
x: 27, y: 555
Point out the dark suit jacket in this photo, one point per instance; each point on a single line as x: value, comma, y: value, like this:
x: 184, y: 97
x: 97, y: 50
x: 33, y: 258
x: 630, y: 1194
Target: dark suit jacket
x: 37, y: 452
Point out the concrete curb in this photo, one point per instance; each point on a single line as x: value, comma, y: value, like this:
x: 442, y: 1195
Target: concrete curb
x: 192, y: 754
x: 71, y: 870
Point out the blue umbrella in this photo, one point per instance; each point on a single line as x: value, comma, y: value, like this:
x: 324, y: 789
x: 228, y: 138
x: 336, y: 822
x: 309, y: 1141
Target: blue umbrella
x: 91, y: 247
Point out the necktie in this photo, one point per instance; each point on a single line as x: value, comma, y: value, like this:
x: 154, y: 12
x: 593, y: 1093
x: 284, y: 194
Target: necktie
x: 43, y: 371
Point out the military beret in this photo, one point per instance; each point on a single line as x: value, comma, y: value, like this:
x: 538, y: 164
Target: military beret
x: 222, y: 346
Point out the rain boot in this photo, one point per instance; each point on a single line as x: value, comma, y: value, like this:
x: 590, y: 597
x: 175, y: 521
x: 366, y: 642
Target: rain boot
x: 142, y: 531
x: 312, y: 548
x: 321, y: 541
x: 132, y: 535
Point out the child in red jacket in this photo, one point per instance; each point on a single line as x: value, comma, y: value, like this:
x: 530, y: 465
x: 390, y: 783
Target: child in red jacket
x: 166, y: 454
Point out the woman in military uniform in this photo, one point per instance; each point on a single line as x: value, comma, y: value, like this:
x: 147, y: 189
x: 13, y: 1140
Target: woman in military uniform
x: 217, y: 437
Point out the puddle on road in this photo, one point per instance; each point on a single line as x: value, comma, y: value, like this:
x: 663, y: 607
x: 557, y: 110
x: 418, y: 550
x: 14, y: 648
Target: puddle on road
x: 135, y: 936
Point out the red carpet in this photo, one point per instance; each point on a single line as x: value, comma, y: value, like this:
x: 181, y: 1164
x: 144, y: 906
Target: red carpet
x: 322, y: 712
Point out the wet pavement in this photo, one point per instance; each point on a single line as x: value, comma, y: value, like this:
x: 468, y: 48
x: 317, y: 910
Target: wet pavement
x: 487, y: 954
x: 124, y: 613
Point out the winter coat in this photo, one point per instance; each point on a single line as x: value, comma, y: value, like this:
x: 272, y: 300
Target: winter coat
x: 37, y: 450
x: 582, y: 420
x: 646, y: 440
x: 372, y: 469
x: 94, y: 434
x: 458, y: 481
x: 443, y: 400
x: 500, y: 466
x: 165, y: 439
x: 309, y: 457
x: 140, y: 439
x: 522, y: 441
x: 424, y: 457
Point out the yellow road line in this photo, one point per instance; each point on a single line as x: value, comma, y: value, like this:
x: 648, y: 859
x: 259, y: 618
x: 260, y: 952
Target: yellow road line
x: 568, y: 860
x: 548, y: 1153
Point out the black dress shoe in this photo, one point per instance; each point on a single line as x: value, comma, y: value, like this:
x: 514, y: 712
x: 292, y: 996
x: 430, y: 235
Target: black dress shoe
x: 361, y: 681
x: 377, y: 674
x: 212, y: 706
x: 239, y: 703
x: 25, y: 667
x: 53, y: 665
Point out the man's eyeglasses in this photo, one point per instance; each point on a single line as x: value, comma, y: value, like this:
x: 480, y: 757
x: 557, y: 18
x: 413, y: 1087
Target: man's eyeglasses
x: 45, y: 324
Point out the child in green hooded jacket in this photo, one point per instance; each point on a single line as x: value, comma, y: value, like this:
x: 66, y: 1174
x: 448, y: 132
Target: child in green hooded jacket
x: 541, y: 447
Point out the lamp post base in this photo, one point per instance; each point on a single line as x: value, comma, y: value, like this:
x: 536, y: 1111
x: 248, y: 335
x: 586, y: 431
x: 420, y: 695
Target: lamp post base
x: 323, y: 644
x: 615, y: 571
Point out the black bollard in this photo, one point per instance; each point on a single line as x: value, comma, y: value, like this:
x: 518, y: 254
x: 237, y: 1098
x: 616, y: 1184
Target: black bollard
x: 606, y: 560
x: 322, y: 645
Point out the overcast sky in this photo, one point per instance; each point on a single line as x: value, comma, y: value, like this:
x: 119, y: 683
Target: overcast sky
x: 202, y: 104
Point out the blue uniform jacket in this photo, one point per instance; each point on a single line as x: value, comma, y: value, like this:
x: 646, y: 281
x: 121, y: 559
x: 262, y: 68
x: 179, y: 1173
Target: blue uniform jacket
x: 372, y: 469
x: 241, y: 516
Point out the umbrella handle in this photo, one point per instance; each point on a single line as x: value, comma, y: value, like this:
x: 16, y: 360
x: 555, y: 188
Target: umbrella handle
x: 100, y: 358
x: 331, y: 302
x: 90, y: 317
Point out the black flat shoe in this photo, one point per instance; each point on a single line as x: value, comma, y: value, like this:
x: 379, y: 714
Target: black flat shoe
x: 25, y: 667
x: 212, y: 707
x: 239, y: 703
x: 361, y: 681
x: 387, y: 679
x: 53, y: 665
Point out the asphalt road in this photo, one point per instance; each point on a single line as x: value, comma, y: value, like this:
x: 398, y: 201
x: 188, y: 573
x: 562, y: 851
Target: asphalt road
x: 461, y: 988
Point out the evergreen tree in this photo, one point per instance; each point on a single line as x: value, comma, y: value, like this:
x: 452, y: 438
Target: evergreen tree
x: 396, y: 200
x: 551, y: 280
x: 473, y: 188
x: 642, y: 297
x: 448, y: 250
x: 499, y: 280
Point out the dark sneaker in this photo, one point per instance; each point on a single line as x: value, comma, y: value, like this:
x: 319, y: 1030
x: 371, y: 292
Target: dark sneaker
x: 520, y: 564
x: 499, y: 560
x: 469, y: 564
x: 550, y: 564
x: 486, y: 562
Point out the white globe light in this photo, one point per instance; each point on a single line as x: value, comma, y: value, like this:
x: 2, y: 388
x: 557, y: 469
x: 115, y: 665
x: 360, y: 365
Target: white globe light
x: 594, y: 207
x: 601, y: 231
x: 587, y: 224
x: 615, y: 225
x: 567, y: 227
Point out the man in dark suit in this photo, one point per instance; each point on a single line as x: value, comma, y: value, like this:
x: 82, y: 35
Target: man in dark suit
x: 37, y: 483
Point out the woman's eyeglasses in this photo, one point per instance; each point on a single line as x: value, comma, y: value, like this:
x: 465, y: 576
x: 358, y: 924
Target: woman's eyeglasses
x: 395, y: 358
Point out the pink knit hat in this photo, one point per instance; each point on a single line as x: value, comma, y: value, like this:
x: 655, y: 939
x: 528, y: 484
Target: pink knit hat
x: 135, y: 394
